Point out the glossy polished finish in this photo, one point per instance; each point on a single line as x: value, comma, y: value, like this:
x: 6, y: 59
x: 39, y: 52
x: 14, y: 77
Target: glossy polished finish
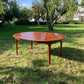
x: 16, y: 47
x: 60, y: 48
x: 40, y: 37
x: 31, y: 45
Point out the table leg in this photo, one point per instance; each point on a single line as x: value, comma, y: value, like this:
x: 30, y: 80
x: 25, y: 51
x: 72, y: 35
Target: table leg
x: 60, y: 48
x: 16, y: 47
x: 49, y: 54
x: 31, y: 45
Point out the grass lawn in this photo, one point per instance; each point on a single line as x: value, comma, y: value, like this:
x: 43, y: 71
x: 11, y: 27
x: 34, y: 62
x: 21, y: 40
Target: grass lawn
x: 31, y: 66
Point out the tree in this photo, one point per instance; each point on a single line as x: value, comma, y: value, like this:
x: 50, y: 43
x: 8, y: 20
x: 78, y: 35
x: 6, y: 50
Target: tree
x: 2, y: 5
x: 82, y: 3
x: 6, y: 1
x: 12, y: 10
x: 2, y: 11
x: 70, y: 13
x: 25, y: 13
x: 38, y: 10
x: 55, y: 9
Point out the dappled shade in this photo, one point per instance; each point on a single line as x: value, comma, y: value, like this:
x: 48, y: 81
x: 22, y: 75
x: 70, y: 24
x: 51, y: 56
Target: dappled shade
x: 30, y: 66
x: 69, y: 53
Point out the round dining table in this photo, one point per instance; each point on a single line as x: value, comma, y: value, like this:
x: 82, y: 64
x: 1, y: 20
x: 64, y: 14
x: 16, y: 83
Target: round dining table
x: 40, y: 37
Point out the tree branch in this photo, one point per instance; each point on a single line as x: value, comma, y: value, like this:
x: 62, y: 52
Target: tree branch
x: 46, y: 15
x: 55, y: 19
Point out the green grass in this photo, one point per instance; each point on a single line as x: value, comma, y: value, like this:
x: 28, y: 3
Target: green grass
x: 31, y: 66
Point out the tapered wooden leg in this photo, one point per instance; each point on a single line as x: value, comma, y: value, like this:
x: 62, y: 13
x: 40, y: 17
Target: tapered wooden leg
x: 16, y: 47
x: 49, y: 54
x: 31, y: 45
x: 60, y: 48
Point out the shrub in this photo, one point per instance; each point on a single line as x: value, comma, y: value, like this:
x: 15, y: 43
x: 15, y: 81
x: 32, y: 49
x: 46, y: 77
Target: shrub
x: 21, y: 21
x: 80, y: 22
x: 56, y: 23
x: 76, y: 22
x: 73, y: 22
x: 42, y: 23
x: 1, y: 22
x: 65, y: 22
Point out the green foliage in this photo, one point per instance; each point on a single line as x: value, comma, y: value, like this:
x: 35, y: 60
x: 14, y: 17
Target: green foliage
x: 38, y: 10
x: 78, y: 22
x: 56, y: 8
x: 21, y: 21
x: 2, y: 7
x: 72, y: 22
x: 4, y: 1
x: 12, y: 10
x: 2, y: 11
x: 1, y: 22
x: 25, y: 13
x: 82, y: 3
x: 65, y: 22
x: 72, y: 8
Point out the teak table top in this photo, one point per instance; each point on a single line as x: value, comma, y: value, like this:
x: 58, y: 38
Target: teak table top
x: 39, y: 36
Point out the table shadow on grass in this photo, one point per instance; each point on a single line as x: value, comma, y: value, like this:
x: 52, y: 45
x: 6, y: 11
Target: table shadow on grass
x: 69, y: 53
x: 10, y: 45
x: 39, y: 63
x: 18, y: 75
x: 72, y: 36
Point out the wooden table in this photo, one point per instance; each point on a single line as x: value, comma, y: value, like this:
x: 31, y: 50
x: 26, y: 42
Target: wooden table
x: 40, y: 37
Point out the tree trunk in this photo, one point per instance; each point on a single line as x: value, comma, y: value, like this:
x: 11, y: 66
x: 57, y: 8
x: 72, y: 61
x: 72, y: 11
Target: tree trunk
x: 51, y: 24
x: 50, y: 27
x: 38, y: 23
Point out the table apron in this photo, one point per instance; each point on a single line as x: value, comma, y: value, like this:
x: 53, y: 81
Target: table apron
x: 51, y: 42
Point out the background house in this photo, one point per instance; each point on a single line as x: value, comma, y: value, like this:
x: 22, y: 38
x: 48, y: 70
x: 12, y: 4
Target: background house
x: 79, y: 15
